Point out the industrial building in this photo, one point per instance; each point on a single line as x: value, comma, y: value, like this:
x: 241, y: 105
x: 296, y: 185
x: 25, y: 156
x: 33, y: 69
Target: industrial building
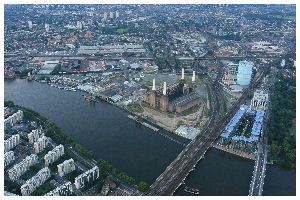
x: 87, y: 50
x: 260, y: 100
x: 244, y: 74
x: 48, y: 67
x: 19, y: 169
x: 187, y: 132
x: 36, y: 181
x: 177, y: 97
x: 111, y: 49
x: 230, y: 74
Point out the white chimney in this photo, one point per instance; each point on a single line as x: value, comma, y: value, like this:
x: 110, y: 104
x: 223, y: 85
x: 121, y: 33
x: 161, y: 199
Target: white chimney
x: 182, y: 73
x: 153, y: 85
x: 194, y: 76
x: 165, y: 88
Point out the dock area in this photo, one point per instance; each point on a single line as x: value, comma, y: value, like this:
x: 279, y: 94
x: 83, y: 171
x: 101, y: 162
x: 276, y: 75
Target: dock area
x: 143, y: 123
x: 235, y: 152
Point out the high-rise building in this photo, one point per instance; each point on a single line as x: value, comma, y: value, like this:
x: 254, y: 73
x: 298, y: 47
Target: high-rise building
x: 19, y: 169
x: 244, y: 74
x: 40, y: 144
x: 64, y: 190
x: 36, y: 181
x: 30, y: 24
x: 125, y: 66
x: 13, y: 119
x: 86, y: 177
x: 79, y: 25
x: 105, y: 16
x: 66, y: 167
x: 117, y: 14
x: 8, y: 158
x: 47, y: 27
x: 11, y: 142
x: 260, y: 100
x: 111, y: 15
x: 34, y: 135
x: 54, y: 154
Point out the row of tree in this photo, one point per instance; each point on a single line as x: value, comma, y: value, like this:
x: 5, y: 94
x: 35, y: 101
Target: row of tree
x: 282, y: 131
x: 58, y: 136
x: 107, y: 168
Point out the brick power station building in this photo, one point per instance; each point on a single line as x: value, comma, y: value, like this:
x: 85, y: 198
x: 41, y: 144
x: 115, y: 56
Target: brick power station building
x: 177, y: 97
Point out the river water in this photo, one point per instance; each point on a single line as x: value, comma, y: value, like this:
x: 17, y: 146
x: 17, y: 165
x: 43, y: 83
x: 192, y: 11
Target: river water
x: 137, y: 150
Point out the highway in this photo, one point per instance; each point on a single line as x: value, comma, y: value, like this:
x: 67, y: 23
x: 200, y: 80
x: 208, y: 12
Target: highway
x: 175, y: 174
x: 258, y: 177
x: 256, y: 186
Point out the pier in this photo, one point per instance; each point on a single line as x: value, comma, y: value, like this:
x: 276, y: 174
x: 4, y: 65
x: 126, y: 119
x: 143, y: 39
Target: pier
x: 143, y: 123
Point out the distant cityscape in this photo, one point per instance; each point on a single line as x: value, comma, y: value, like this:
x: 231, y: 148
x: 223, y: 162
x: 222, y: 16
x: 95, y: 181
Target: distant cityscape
x: 221, y: 76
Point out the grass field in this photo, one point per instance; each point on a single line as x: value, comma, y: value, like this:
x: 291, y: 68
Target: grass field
x: 121, y: 30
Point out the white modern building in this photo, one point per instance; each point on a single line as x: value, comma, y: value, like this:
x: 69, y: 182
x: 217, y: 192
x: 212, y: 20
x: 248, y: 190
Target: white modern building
x: 9, y: 194
x: 88, y: 176
x: 40, y: 144
x: 30, y: 24
x: 260, y: 100
x: 47, y: 27
x: 105, y: 16
x: 36, y: 181
x: 54, y: 154
x: 79, y: 25
x: 64, y: 190
x: 6, y: 111
x: 34, y: 135
x: 11, y: 142
x: 244, y: 74
x: 111, y: 15
x: 13, y: 119
x: 66, y: 167
x: 9, y: 157
x: 19, y: 169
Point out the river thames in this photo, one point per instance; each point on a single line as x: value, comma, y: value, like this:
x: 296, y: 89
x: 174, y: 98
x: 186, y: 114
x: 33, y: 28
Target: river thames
x: 137, y: 150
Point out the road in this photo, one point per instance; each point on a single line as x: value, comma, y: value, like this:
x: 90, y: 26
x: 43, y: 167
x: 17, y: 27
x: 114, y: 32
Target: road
x: 258, y: 177
x: 256, y: 186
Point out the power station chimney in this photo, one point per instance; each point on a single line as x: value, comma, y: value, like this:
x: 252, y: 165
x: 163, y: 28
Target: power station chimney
x: 182, y: 74
x: 165, y: 88
x: 194, y: 77
x: 153, y: 85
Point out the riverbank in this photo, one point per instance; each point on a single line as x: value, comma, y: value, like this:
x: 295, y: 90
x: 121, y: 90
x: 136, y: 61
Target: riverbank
x: 79, y: 153
x: 137, y: 150
x: 235, y: 152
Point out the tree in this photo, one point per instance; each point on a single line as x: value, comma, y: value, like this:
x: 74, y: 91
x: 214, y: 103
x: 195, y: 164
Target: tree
x: 143, y: 186
x: 105, y: 166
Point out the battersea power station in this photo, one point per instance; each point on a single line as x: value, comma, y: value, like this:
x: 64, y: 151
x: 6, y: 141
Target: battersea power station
x: 177, y: 97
